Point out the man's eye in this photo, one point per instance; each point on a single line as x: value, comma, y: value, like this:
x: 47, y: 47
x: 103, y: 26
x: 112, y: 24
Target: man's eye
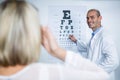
x: 92, y: 17
x: 87, y: 18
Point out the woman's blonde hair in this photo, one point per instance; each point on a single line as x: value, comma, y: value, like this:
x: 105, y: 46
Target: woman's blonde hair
x: 19, y: 33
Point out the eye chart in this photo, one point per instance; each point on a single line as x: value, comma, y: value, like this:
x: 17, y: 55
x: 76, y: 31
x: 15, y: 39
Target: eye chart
x: 66, y: 20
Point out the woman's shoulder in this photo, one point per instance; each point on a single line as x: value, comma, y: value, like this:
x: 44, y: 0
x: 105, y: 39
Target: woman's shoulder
x: 37, y: 71
x: 39, y: 66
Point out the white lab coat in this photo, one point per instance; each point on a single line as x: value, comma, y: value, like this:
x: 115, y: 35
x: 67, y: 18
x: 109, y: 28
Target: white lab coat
x: 101, y: 51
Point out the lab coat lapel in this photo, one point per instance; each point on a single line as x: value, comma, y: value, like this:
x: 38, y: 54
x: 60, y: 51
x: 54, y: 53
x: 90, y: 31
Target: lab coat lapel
x: 93, y: 49
x: 95, y: 38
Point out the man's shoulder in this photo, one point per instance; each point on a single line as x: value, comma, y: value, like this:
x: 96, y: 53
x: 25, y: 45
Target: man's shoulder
x: 107, y: 38
x: 106, y: 34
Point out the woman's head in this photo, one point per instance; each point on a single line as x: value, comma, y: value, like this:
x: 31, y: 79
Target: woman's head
x: 19, y: 33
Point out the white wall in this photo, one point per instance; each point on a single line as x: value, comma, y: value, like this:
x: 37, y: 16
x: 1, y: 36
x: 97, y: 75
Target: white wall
x: 109, y: 10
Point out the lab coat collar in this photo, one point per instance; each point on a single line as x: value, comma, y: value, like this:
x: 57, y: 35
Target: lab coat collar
x: 96, y: 36
x: 97, y: 32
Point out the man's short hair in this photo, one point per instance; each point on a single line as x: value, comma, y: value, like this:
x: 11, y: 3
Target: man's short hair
x: 97, y: 11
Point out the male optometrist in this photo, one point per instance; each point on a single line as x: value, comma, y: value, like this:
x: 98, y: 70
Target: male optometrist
x: 100, y: 49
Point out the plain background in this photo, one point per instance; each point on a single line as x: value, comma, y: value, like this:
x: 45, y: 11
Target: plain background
x: 110, y: 11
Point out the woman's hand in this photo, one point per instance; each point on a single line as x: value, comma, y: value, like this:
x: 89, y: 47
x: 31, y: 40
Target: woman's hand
x: 50, y: 44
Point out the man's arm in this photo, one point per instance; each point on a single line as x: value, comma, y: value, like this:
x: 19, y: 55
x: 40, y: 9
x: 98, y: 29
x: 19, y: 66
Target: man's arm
x: 82, y: 47
x: 109, y: 61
